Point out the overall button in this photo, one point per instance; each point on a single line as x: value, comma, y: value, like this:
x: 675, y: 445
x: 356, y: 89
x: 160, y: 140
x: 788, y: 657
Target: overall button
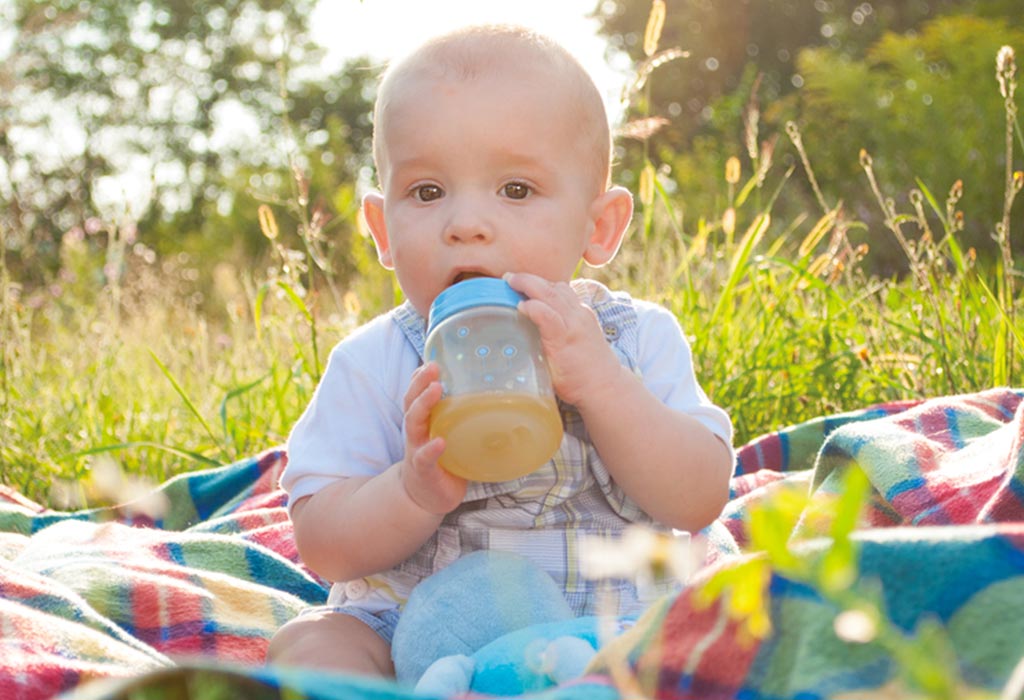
x: 356, y: 589
x: 611, y: 331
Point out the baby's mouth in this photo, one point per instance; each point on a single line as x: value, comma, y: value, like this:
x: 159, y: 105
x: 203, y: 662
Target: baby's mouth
x: 468, y: 275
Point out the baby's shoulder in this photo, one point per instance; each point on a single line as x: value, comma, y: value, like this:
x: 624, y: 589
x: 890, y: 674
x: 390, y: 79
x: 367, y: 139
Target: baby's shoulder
x: 376, y: 346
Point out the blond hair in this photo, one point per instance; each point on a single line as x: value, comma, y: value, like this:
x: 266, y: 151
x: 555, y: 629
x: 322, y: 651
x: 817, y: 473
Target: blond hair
x: 478, y: 51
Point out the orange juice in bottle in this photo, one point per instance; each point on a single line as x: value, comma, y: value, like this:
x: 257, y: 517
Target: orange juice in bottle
x: 496, y: 436
x: 498, y: 416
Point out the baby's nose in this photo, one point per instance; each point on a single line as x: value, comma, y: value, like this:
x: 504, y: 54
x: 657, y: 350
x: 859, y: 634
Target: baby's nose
x: 468, y: 225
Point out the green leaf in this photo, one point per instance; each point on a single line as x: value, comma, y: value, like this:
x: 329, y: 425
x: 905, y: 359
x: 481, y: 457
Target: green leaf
x: 184, y: 397
x: 181, y: 452
x: 837, y: 569
x: 238, y: 391
x: 738, y: 266
x: 257, y: 308
x: 296, y: 300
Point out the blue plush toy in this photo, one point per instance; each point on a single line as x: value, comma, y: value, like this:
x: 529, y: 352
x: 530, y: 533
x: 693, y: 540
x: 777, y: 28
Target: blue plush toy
x: 491, y: 622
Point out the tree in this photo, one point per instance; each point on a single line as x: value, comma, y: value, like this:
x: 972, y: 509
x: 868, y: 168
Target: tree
x: 163, y: 113
x: 727, y: 41
x: 924, y: 105
x: 829, y: 66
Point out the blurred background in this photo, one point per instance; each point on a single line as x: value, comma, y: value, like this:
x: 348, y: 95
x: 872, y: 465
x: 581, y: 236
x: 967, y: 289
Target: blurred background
x: 826, y: 198
x: 174, y: 120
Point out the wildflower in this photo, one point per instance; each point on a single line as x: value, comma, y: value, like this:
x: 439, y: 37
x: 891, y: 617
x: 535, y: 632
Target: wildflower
x: 1018, y: 180
x: 732, y: 170
x: 817, y: 268
x: 641, y: 552
x: 855, y: 626
x: 655, y: 23
x: 646, y: 189
x: 1006, y: 69
x: 751, y: 119
x: 865, y: 158
x: 351, y: 303
x: 303, y: 184
x: 822, y: 227
x: 956, y: 191
x: 729, y: 221
x: 642, y: 129
x: 765, y: 161
x: 793, y: 132
x: 268, y: 224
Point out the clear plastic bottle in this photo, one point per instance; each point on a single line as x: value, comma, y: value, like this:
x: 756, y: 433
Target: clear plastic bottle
x: 499, y: 416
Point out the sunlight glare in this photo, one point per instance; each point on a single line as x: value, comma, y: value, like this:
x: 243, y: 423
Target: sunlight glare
x: 385, y: 29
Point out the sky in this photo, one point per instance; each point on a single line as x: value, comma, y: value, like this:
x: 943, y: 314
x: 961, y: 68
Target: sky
x: 385, y: 29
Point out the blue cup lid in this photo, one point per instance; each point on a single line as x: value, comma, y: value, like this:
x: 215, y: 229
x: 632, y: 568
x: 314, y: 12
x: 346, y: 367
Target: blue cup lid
x: 477, y: 291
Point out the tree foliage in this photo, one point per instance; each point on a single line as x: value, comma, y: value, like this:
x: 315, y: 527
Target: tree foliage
x: 168, y: 117
x: 910, y: 81
x: 924, y: 105
x: 725, y: 40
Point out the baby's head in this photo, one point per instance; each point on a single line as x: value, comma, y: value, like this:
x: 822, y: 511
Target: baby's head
x: 492, y: 149
x: 494, y: 53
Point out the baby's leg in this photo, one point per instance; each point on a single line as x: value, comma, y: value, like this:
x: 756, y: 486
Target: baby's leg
x: 333, y: 641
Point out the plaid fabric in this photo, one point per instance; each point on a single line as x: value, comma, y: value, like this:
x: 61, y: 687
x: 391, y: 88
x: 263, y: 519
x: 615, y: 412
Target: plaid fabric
x: 944, y: 541
x: 110, y: 592
x: 190, y: 600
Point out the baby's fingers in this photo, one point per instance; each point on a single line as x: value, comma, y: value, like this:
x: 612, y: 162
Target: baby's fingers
x: 423, y: 394
x: 425, y: 458
x: 549, y: 322
x: 559, y: 295
x: 420, y: 381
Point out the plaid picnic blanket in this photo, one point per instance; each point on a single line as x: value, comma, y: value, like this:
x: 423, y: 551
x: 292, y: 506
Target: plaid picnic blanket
x: 190, y: 599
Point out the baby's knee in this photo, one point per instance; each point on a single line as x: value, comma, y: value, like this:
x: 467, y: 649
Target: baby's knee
x: 332, y: 641
x: 289, y: 640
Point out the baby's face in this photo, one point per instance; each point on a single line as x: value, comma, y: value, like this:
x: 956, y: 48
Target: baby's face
x: 481, y: 177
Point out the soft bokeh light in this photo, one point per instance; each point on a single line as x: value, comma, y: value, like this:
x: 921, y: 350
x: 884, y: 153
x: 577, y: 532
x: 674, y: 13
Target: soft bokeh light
x: 385, y: 29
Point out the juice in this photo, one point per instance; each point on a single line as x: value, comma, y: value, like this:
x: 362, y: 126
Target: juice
x: 496, y: 436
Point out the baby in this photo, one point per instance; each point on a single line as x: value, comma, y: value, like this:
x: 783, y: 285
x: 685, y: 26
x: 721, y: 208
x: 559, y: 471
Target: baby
x: 493, y: 151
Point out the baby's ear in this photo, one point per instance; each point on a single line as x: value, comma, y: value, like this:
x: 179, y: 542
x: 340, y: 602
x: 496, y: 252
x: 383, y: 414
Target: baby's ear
x: 373, y: 214
x: 610, y: 214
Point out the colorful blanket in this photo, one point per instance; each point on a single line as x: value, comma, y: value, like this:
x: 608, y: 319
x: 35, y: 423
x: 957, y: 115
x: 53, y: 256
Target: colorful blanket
x: 188, y: 599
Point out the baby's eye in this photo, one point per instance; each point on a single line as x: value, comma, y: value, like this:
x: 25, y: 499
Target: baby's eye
x: 516, y: 190
x: 428, y: 193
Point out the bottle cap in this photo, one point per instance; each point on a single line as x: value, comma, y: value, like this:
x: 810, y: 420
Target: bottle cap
x: 478, y: 291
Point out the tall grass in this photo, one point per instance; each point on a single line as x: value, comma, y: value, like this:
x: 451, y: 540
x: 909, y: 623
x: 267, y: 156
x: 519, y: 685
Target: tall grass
x: 118, y: 362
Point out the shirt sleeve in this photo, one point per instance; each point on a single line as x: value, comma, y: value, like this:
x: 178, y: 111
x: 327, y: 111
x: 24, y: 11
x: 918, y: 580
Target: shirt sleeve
x: 666, y: 363
x: 353, y: 424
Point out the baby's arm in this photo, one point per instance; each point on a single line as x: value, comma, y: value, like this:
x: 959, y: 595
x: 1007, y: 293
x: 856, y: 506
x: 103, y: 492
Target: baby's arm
x: 363, y: 525
x: 666, y: 461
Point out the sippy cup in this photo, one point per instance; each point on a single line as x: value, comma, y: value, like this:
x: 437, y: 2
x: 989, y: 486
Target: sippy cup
x: 498, y: 416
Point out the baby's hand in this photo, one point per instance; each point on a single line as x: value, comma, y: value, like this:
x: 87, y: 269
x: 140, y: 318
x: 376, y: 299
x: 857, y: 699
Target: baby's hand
x: 580, y: 359
x: 429, y: 486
